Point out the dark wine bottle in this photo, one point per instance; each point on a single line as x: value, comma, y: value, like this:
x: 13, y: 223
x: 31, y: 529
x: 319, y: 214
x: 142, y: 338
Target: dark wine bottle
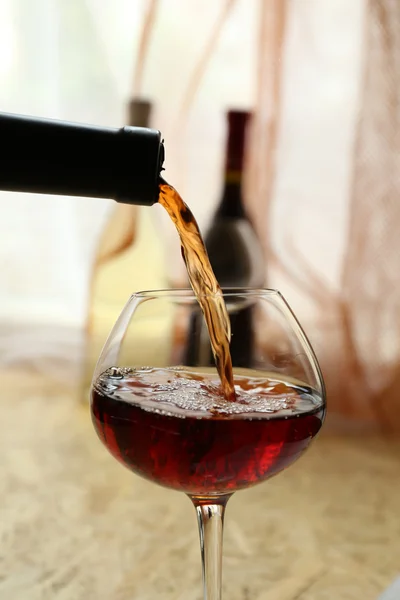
x: 46, y: 156
x: 235, y: 253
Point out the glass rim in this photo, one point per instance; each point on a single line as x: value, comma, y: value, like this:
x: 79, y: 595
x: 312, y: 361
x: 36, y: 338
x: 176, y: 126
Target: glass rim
x: 189, y: 293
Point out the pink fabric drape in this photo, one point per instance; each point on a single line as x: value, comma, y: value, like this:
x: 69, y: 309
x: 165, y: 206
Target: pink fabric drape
x: 356, y: 327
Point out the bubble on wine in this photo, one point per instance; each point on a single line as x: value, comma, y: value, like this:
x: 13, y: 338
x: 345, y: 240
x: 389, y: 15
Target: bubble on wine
x: 185, y: 392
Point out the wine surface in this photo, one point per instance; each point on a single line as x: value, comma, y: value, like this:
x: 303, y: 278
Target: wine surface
x: 203, y: 282
x: 174, y: 426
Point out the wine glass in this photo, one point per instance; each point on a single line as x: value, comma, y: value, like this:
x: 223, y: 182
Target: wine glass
x: 157, y: 404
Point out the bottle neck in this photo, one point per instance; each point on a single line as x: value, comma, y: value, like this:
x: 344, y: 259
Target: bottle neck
x: 231, y: 205
x: 139, y: 111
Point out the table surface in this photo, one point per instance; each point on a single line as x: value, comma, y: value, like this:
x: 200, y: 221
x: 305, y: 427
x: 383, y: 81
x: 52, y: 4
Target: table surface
x: 76, y: 525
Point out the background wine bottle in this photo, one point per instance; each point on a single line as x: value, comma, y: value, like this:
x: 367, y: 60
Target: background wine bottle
x: 234, y: 250
x: 129, y: 258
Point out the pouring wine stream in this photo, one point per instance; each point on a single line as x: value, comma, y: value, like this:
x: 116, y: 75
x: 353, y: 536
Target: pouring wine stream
x: 203, y: 282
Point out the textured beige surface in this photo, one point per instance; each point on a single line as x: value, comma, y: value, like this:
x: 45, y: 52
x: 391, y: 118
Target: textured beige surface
x: 76, y: 525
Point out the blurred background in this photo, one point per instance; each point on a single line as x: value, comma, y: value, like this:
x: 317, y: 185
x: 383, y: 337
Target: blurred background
x: 322, y: 79
x: 322, y: 189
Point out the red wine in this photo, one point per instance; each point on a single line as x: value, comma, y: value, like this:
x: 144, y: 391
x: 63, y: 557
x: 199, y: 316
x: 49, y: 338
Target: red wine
x: 174, y: 427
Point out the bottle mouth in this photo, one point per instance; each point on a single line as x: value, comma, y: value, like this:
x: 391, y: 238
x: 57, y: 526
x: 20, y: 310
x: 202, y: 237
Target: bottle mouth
x: 161, y: 158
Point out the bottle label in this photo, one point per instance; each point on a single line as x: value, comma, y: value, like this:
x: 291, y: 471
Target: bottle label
x: 233, y: 176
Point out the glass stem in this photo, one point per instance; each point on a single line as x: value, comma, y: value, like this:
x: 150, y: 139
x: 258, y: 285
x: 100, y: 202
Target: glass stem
x: 210, y: 517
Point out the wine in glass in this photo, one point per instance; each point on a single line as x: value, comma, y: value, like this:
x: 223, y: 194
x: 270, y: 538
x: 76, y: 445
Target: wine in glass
x: 172, y: 423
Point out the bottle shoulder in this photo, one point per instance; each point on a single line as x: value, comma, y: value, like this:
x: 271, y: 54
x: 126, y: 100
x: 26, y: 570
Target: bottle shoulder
x: 235, y: 253
x: 231, y: 205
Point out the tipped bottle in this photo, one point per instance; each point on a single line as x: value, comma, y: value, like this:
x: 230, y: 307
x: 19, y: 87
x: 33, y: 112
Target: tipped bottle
x: 46, y: 156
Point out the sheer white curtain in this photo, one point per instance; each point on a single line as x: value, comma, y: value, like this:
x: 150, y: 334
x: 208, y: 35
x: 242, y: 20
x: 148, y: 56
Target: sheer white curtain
x: 74, y: 60
x: 58, y: 61
x: 68, y: 60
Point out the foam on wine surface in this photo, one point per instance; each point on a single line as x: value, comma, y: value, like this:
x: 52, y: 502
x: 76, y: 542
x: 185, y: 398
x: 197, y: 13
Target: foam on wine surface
x: 182, y: 393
